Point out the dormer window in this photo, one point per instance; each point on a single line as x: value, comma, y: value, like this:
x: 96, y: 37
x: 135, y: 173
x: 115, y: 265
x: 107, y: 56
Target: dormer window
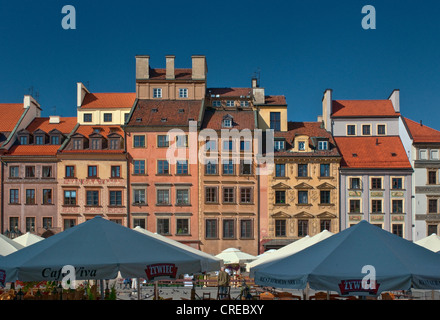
x: 96, y: 144
x: 322, y: 145
x: 39, y: 140
x: 301, y: 146
x: 230, y: 103
x: 279, y: 145
x: 227, y: 123
x: 55, y: 140
x: 244, y: 103
x: 24, y: 140
x: 216, y: 103
x: 77, y: 144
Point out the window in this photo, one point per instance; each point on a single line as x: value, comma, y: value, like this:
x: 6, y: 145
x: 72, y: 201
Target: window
x: 228, y: 167
x: 325, y: 196
x: 322, y: 145
x: 183, y: 93
x: 96, y: 144
x: 432, y: 228
x: 303, y: 197
x: 303, y: 228
x: 116, y: 198
x: 211, y: 167
x: 182, y: 226
x: 115, y: 144
x: 139, y: 141
x: 47, y: 223
x: 13, y: 223
x: 115, y: 171
x: 366, y: 129
x: 246, y: 195
x: 39, y: 140
x: 376, y: 183
x: 69, y: 197
x: 355, y: 206
x: 211, y: 195
x: 30, y: 196
x: 157, y: 92
x: 275, y: 121
x: 325, y: 170
x: 397, y: 229
x: 434, y: 154
x: 87, y: 117
x: 182, y: 166
x: 432, y: 177
x: 182, y: 141
x: 182, y: 197
x: 229, y: 195
x: 92, y: 197
x: 126, y: 117
x: 54, y: 140
x: 211, y: 229
x: 108, y: 117
x: 355, y: 183
x: 325, y: 225
x: 381, y: 129
x: 432, y: 206
x: 228, y: 229
x: 376, y: 206
x: 70, y: 171
x: 216, y: 103
x: 163, y: 141
x: 163, y: 167
x: 244, y: 103
x: 230, y: 103
x: 47, y: 196
x: 246, y: 229
x: 139, y: 166
x: 30, y: 224
x: 46, y: 172
x: 139, y: 222
x: 163, y: 226
x: 423, y: 155
x: 245, y: 167
x: 68, y: 223
x: 77, y: 144
x: 13, y: 196
x: 351, y: 130
x: 139, y: 196
x: 301, y: 145
x: 92, y: 171
x: 227, y: 123
x: 163, y: 196
x: 245, y: 145
x: 210, y: 145
x: 278, y: 145
x: 30, y: 172
x: 280, y: 228
x: 14, y: 172
x: 396, y: 183
x: 280, y: 197
x: 302, y: 170
x: 280, y: 170
x: 228, y: 145
x: 24, y: 140
x: 397, y: 206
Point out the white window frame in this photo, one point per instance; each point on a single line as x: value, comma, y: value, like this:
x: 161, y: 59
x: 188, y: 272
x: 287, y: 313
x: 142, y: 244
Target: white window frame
x: 157, y: 92
x: 183, y: 93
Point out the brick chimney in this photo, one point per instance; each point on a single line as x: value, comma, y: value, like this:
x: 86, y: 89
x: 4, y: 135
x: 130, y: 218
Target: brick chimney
x: 395, y: 99
x: 199, y: 67
x: 142, y: 67
x: 170, y: 67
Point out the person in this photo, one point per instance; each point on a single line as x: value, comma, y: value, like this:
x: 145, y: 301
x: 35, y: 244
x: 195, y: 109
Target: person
x: 223, y: 282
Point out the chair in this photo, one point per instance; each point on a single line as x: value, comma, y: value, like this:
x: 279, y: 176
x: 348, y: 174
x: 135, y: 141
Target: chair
x: 387, y: 296
x: 224, y: 296
x: 206, y: 295
x: 267, y: 296
x: 287, y: 296
x: 319, y: 296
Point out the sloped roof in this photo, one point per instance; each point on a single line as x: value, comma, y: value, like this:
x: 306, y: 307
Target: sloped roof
x: 108, y: 100
x: 363, y: 108
x: 10, y: 114
x: 421, y: 133
x: 241, y: 119
x: 65, y: 125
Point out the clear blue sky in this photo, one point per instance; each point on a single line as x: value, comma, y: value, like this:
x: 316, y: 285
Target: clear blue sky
x: 300, y: 47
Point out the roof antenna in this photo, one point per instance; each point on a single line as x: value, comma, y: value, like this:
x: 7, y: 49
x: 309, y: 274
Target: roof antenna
x: 421, y: 124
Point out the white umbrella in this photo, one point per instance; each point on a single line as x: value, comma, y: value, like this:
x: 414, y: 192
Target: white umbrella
x: 235, y: 256
x: 431, y: 242
x: 98, y: 249
x: 341, y: 262
x: 28, y: 239
x: 8, y: 246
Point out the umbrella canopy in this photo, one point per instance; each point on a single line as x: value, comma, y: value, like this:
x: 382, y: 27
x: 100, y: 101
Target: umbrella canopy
x: 235, y: 256
x: 431, y: 242
x: 8, y: 246
x: 212, y: 262
x: 27, y: 239
x: 340, y: 263
x: 290, y: 248
x: 98, y: 249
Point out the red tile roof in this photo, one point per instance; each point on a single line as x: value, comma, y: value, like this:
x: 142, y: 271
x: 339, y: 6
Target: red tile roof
x: 275, y: 100
x: 65, y: 126
x: 421, y: 133
x: 34, y: 150
x: 165, y: 113
x: 108, y: 100
x: 239, y: 92
x: 363, y: 108
x: 10, y: 114
x: 372, y: 152
x: 179, y: 74
x: 242, y: 119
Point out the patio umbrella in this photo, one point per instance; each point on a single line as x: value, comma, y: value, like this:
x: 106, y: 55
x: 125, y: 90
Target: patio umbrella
x: 98, y: 249
x: 235, y: 256
x: 8, y: 246
x: 431, y: 242
x: 27, y: 239
x: 291, y: 248
x: 362, y: 252
x: 210, y: 260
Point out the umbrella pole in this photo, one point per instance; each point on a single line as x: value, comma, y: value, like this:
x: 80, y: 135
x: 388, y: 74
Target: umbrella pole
x: 101, y: 284
x: 139, y: 289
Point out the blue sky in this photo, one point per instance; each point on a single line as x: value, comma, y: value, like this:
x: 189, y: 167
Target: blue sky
x: 300, y: 48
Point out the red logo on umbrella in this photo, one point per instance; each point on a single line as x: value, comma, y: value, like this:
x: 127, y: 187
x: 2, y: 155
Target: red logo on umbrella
x: 161, y: 270
x: 350, y: 286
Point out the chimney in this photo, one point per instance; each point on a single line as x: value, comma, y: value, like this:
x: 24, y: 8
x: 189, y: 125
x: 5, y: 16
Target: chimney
x: 254, y: 83
x: 170, y: 67
x: 81, y: 92
x: 142, y: 67
x: 395, y: 99
x: 327, y: 102
x: 54, y: 119
x: 199, y: 67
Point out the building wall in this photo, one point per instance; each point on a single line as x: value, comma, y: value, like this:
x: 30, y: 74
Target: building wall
x: 264, y: 116
x: 170, y: 90
x: 340, y: 126
x: 118, y: 116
